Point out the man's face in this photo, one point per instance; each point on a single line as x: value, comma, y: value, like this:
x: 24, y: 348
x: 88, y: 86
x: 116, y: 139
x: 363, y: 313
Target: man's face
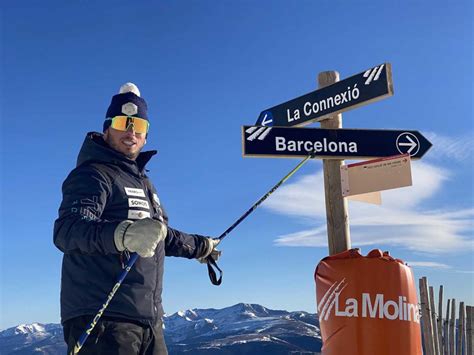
x: 128, y: 143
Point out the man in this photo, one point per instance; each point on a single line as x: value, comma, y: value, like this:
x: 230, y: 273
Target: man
x: 110, y: 209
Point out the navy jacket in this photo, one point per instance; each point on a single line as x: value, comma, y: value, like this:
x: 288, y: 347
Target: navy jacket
x: 104, y: 189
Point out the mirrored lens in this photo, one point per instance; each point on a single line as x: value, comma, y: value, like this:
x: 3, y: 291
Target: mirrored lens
x: 140, y: 125
x: 122, y: 123
x: 119, y: 123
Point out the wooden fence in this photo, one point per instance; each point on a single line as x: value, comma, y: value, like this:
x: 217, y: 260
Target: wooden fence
x: 449, y: 335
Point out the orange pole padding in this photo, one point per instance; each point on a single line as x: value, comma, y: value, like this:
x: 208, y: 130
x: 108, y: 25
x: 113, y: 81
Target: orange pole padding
x: 367, y: 305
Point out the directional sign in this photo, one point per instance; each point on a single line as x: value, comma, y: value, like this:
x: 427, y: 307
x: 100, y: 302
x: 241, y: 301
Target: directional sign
x: 372, y: 85
x: 291, y: 142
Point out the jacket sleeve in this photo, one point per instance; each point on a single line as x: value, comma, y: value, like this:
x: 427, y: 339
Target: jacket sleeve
x: 178, y: 243
x: 184, y: 245
x: 79, y: 227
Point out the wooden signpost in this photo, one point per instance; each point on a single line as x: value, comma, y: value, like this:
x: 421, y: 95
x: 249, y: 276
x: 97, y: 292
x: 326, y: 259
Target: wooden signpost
x: 337, y: 210
x: 278, y: 133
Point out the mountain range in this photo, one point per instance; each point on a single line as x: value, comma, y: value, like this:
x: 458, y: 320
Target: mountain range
x: 239, y: 329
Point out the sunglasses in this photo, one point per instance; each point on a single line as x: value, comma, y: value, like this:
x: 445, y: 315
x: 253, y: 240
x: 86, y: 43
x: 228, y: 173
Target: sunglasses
x: 122, y: 123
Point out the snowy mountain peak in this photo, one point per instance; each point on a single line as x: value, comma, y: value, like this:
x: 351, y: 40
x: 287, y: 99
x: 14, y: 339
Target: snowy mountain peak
x: 191, y: 313
x: 188, y: 315
x: 241, y: 328
x: 27, y: 329
x: 31, y: 330
x: 250, y: 308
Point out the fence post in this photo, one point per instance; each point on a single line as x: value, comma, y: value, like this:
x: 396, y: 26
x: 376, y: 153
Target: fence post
x: 469, y: 329
x: 452, y: 323
x: 460, y: 329
x: 446, y: 330
x: 433, y: 322
x: 425, y: 317
x: 440, y: 320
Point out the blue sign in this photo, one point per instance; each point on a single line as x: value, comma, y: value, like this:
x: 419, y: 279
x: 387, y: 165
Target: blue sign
x: 372, y: 85
x: 288, y: 142
x: 265, y: 119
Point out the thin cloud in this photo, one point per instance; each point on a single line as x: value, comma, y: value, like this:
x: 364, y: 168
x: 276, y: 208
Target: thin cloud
x: 459, y: 149
x: 399, y: 222
x: 428, y: 264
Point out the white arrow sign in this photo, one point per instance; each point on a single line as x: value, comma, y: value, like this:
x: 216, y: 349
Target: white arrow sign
x: 266, y: 122
x: 408, y: 140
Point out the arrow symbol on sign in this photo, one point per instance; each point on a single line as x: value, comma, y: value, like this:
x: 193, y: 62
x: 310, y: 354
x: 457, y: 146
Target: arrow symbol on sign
x: 264, y: 120
x: 411, y: 144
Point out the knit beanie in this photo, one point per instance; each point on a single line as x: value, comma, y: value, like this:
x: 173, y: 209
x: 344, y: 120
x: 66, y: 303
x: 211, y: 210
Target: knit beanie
x: 126, y: 103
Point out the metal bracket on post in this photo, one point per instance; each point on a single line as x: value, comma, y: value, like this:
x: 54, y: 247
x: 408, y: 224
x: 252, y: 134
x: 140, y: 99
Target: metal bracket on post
x: 337, y: 214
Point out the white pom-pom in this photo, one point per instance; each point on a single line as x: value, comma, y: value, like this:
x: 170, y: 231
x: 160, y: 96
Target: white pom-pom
x: 129, y: 87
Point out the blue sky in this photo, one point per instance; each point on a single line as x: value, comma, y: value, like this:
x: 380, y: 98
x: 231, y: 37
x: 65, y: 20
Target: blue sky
x: 206, y: 68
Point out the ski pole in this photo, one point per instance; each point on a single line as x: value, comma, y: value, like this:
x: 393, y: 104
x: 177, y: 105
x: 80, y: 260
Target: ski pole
x: 87, y: 332
x: 82, y: 339
x: 210, y: 261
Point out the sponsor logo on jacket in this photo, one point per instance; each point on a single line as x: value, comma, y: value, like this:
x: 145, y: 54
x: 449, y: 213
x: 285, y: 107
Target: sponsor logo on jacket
x: 133, y: 191
x: 136, y: 202
x: 137, y: 214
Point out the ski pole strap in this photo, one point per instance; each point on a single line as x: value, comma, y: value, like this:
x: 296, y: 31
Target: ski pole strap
x: 211, y: 264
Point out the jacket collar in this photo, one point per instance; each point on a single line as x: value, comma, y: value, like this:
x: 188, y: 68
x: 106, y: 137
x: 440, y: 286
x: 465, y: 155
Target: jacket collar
x: 95, y: 149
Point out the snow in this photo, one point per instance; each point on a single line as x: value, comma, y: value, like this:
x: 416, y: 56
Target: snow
x: 191, y: 312
x: 30, y: 328
x: 34, y: 330
x: 216, y: 329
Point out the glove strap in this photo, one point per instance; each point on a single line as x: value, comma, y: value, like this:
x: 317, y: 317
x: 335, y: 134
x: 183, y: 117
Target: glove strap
x: 212, y: 274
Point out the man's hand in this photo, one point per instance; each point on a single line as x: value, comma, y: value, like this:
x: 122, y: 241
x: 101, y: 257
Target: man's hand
x: 211, y: 250
x: 141, y: 236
